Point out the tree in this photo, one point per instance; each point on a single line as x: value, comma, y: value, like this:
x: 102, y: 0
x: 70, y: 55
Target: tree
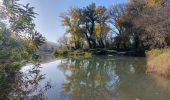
x: 153, y: 20
x: 82, y: 23
x: 18, y: 29
x: 71, y: 21
x: 101, y: 26
x: 92, y: 15
x: 119, y: 20
x: 116, y: 12
x: 19, y: 42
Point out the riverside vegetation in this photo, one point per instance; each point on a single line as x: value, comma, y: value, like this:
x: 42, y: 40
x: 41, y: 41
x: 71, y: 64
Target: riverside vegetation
x: 159, y: 62
x: 128, y: 29
x: 19, y: 42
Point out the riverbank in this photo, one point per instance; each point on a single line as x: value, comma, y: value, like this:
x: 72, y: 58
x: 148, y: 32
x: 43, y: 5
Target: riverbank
x: 158, y: 62
x: 88, y: 53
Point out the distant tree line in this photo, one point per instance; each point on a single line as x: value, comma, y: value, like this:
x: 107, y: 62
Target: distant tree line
x: 139, y: 24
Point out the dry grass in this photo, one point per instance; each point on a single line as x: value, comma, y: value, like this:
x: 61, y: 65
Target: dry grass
x: 159, y: 63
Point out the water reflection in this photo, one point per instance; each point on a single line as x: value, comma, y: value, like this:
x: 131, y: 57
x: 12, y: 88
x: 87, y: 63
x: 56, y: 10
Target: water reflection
x: 96, y: 79
x: 23, y: 85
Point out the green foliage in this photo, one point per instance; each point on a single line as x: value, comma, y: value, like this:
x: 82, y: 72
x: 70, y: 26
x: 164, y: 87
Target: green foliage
x: 19, y: 42
x: 86, y: 53
x: 19, y: 39
x: 76, y: 54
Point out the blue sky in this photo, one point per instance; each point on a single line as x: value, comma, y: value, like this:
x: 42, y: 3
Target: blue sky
x: 48, y: 21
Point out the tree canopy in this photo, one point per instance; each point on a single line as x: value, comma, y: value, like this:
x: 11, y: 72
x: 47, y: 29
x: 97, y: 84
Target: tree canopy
x: 139, y: 24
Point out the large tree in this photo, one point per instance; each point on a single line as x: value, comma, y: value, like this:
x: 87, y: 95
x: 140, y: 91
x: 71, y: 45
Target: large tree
x: 152, y: 17
x: 87, y: 25
x: 93, y: 15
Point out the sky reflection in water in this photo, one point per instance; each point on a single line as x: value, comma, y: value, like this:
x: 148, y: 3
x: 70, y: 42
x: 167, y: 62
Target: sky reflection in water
x: 103, y: 78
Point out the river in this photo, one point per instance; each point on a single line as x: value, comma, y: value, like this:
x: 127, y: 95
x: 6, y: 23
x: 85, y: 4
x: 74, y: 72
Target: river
x: 99, y: 78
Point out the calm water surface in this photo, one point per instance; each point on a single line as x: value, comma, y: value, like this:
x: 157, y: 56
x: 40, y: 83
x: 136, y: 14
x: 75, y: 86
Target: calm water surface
x: 100, y: 78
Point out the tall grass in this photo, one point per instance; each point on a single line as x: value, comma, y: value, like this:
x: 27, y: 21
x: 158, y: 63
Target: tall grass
x: 158, y: 61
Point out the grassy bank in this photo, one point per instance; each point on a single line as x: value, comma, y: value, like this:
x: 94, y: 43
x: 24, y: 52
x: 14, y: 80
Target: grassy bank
x: 72, y: 54
x: 158, y: 62
x: 88, y: 53
x: 82, y: 53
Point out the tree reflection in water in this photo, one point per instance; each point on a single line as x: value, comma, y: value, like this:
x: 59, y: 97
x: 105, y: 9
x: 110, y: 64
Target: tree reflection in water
x: 99, y: 79
x: 19, y: 85
x: 89, y: 79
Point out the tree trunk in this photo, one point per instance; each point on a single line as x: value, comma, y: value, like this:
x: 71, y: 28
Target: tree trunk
x: 88, y: 40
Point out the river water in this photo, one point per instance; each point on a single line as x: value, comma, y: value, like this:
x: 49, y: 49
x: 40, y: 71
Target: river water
x: 98, y: 78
